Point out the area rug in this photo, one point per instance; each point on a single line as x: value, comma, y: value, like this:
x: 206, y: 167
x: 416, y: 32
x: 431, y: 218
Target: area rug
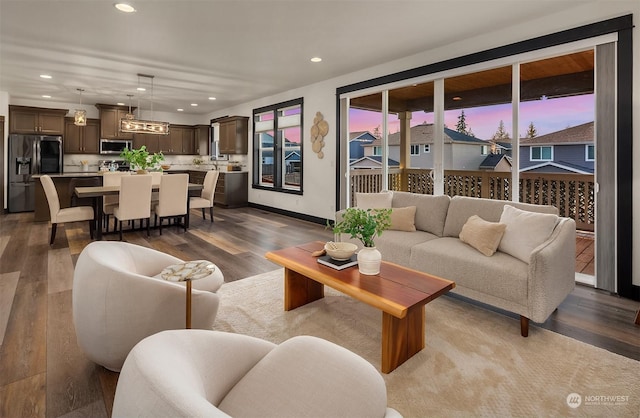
x: 475, y: 363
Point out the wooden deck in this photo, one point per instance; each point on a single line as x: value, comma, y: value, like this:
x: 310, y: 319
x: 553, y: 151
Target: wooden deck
x: 585, y: 253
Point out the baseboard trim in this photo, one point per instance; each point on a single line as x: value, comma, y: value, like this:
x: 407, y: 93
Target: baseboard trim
x: 302, y: 216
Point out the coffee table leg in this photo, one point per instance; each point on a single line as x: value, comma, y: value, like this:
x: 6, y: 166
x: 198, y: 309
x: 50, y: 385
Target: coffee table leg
x: 401, y: 338
x: 300, y: 290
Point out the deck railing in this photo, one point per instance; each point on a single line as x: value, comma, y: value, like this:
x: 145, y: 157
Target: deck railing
x: 572, y: 194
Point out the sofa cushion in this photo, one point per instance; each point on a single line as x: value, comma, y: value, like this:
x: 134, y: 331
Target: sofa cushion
x: 501, y: 275
x: 461, y: 208
x: 431, y: 211
x: 395, y: 246
x: 380, y: 200
x: 403, y: 219
x: 482, y: 235
x: 525, y: 231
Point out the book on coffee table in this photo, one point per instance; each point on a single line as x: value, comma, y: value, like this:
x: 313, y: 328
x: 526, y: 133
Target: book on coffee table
x: 338, y: 264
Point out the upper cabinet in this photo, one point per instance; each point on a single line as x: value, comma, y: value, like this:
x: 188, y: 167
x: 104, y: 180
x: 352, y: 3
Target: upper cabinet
x: 81, y: 139
x: 202, y: 139
x: 181, y: 140
x: 234, y: 135
x: 35, y: 120
x: 110, y: 116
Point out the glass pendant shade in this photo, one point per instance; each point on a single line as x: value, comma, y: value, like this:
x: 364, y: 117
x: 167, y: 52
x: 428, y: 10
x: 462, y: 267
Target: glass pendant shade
x: 80, y: 117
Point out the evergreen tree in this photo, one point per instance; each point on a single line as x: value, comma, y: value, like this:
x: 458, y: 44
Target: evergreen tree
x: 462, y: 126
x: 501, y: 134
x: 531, y: 131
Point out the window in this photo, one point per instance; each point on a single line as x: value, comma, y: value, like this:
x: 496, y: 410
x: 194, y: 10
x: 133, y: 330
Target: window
x: 277, y: 147
x: 542, y: 153
x: 415, y: 149
x: 377, y: 150
x: 484, y: 149
x: 590, y: 153
x: 427, y: 148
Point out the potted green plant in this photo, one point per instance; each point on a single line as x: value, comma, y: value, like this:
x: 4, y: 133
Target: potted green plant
x: 140, y: 159
x: 365, y: 225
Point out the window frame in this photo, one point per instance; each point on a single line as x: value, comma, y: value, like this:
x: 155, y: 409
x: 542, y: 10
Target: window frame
x: 377, y: 151
x: 426, y: 148
x: 279, y: 165
x: 412, y: 147
x: 541, y: 153
x: 586, y: 152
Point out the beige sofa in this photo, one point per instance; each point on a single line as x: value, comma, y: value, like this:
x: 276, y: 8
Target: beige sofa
x: 532, y: 286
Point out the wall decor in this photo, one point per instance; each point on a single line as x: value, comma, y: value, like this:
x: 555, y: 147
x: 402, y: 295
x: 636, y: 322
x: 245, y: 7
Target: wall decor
x: 319, y: 130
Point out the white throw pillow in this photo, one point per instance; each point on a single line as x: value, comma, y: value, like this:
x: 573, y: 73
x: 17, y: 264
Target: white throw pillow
x: 525, y: 231
x: 380, y: 200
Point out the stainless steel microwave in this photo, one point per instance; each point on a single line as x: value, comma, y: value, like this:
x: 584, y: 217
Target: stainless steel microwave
x: 114, y: 146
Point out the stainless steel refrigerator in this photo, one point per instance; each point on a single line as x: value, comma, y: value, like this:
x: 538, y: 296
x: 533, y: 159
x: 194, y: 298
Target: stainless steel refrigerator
x: 29, y: 155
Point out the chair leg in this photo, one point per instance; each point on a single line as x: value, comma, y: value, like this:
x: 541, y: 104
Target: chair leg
x: 91, y: 228
x: 53, y: 233
x: 211, y: 213
x: 184, y: 223
x: 161, y: 225
x: 203, y: 217
x: 120, y: 229
x: 148, y: 224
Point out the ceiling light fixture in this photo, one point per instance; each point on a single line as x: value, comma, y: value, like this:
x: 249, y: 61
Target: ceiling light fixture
x: 456, y: 98
x: 212, y: 98
x: 194, y: 104
x: 47, y: 76
x: 46, y: 96
x: 80, y: 115
x: 316, y: 59
x: 124, y: 7
x: 132, y: 125
x: 180, y: 110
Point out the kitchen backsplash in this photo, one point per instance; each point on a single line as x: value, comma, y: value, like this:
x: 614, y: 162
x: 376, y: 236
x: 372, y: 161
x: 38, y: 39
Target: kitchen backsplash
x: 74, y: 162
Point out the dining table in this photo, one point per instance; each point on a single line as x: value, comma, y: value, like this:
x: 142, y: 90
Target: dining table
x: 99, y: 192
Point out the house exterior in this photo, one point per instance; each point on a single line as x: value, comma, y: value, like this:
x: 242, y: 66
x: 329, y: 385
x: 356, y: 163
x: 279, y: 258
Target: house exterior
x: 461, y: 152
x: 357, y: 141
x: 570, y: 150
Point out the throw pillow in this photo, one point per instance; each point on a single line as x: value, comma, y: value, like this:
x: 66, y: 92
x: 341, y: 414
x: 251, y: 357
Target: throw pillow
x: 380, y: 200
x: 482, y: 235
x: 403, y: 219
x: 525, y: 231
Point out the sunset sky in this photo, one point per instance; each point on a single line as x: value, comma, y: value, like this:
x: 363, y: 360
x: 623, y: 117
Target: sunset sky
x: 547, y: 116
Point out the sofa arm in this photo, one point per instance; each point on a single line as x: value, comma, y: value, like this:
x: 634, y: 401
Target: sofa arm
x: 552, y: 271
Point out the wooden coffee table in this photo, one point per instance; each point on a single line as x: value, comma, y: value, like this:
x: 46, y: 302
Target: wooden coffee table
x: 400, y: 293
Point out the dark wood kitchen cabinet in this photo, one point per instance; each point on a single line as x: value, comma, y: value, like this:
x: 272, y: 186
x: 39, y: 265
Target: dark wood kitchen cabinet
x: 81, y: 139
x: 232, y: 189
x: 180, y: 141
x: 110, y: 116
x: 36, y: 120
x: 234, y: 135
x: 202, y: 141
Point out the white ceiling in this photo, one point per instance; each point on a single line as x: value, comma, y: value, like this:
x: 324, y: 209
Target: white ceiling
x: 235, y: 51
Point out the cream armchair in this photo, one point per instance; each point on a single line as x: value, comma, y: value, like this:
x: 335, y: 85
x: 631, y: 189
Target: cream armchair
x: 200, y: 373
x: 117, y: 301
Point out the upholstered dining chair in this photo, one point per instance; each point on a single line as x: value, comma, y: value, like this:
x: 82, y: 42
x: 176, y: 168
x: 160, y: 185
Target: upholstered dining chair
x: 60, y: 216
x: 156, y: 178
x: 134, y: 201
x: 119, y: 298
x: 111, y: 178
x: 173, y: 197
x: 204, y: 373
x: 206, y: 197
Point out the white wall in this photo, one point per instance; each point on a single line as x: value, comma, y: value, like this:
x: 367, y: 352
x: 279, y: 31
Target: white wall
x: 319, y: 175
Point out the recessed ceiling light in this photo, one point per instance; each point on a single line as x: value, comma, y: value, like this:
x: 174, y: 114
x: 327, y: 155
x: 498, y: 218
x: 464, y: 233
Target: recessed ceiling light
x: 47, y: 76
x: 212, y: 98
x: 194, y: 104
x: 316, y: 59
x: 457, y: 98
x: 141, y: 89
x: 120, y: 104
x: 124, y: 7
x: 46, y: 96
x: 180, y: 110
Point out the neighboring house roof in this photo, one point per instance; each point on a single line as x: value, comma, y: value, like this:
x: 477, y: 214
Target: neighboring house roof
x: 492, y: 160
x: 292, y: 156
x: 362, y: 136
x: 423, y: 134
x: 374, y: 161
x: 580, y: 134
x: 561, y: 165
x: 504, y: 145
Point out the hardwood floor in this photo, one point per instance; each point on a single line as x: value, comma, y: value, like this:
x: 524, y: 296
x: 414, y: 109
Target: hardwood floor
x: 44, y: 373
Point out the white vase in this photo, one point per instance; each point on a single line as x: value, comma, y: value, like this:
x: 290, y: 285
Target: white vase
x: 369, y: 259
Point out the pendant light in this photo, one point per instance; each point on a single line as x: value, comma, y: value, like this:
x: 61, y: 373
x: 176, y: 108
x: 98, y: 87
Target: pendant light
x: 130, y: 124
x: 80, y: 115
